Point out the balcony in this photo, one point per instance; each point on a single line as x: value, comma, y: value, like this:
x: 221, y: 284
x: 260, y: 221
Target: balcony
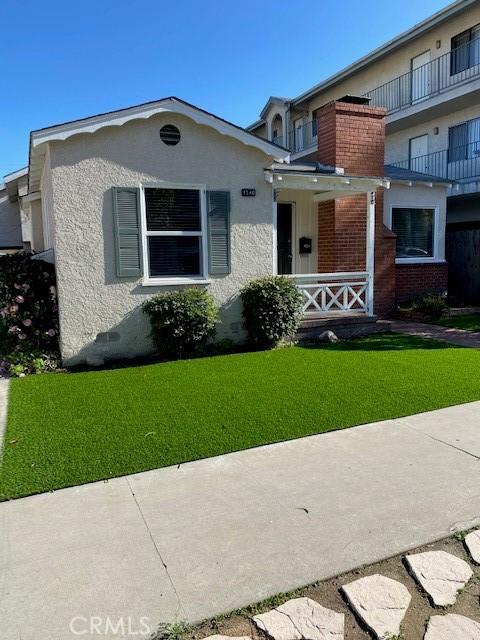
x: 437, y: 76
x: 460, y: 163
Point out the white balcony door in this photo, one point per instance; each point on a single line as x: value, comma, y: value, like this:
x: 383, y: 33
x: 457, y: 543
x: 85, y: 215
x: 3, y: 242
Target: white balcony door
x: 419, y: 154
x: 421, y: 76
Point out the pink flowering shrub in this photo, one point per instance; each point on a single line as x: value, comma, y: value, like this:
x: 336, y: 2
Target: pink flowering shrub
x: 28, y: 315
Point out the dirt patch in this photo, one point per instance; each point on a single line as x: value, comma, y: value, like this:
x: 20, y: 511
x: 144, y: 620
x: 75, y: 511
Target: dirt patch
x: 327, y: 593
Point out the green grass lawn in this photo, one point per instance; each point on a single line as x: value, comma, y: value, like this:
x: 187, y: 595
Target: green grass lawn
x: 72, y: 428
x: 470, y: 322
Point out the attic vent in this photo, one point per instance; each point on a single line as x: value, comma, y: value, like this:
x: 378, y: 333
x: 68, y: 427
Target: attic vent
x: 169, y: 134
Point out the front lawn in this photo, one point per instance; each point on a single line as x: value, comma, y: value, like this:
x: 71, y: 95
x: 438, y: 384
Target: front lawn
x: 470, y: 322
x: 68, y: 429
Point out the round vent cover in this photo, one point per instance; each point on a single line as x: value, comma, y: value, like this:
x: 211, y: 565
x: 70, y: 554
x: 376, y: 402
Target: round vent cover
x: 169, y: 134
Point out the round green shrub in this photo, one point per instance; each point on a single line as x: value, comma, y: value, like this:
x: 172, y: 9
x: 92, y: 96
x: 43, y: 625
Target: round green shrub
x: 271, y: 309
x: 182, y: 321
x: 431, y: 304
x: 29, y: 315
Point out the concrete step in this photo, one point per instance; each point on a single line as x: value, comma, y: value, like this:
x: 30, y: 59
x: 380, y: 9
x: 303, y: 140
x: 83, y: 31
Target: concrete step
x: 344, y: 326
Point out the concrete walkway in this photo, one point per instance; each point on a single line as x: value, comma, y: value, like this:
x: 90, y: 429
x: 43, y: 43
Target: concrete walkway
x: 459, y: 337
x: 213, y: 535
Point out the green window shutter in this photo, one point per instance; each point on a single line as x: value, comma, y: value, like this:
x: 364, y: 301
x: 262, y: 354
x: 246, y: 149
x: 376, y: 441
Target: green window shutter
x: 218, y: 214
x: 126, y: 224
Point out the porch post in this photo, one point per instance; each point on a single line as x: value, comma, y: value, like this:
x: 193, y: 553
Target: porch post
x: 370, y: 257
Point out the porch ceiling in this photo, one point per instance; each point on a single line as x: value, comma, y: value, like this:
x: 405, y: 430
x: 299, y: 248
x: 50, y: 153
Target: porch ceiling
x: 325, y: 186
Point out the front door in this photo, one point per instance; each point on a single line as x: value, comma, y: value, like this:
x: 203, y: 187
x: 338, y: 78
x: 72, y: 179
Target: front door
x: 284, y: 238
x: 419, y: 154
x: 421, y: 76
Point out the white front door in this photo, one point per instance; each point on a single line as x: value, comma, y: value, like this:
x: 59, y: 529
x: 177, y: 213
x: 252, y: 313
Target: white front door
x: 421, y: 76
x: 419, y: 154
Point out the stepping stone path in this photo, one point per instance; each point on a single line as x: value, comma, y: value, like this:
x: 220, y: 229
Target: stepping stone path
x: 440, y: 574
x: 452, y: 627
x: 472, y: 540
x: 380, y: 602
x: 301, y: 619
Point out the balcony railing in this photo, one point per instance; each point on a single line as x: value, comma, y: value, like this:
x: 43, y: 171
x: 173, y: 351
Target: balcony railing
x: 278, y: 140
x: 444, y: 72
x: 457, y: 163
x: 302, y: 138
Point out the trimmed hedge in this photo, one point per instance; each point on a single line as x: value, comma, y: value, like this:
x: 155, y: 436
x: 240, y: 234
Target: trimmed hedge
x: 182, y: 321
x: 271, y: 309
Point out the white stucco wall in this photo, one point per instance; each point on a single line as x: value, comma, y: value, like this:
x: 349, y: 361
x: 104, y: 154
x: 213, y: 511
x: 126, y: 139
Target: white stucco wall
x: 83, y: 170
x: 419, y: 196
x: 10, y: 227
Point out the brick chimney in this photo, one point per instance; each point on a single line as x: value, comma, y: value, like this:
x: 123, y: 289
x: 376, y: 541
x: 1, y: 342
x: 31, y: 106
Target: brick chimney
x: 351, y: 135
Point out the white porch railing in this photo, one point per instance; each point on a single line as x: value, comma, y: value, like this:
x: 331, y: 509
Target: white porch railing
x: 328, y: 292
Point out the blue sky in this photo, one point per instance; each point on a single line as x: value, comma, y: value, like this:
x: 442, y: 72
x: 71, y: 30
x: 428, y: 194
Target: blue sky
x: 66, y: 60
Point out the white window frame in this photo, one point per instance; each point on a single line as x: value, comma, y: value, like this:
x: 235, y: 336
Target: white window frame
x: 437, y: 254
x: 202, y: 234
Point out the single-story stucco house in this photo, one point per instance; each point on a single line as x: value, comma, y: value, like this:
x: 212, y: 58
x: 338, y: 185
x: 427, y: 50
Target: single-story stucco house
x: 165, y: 195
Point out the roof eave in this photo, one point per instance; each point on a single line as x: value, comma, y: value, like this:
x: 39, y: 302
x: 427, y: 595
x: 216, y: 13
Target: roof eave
x: 414, y: 32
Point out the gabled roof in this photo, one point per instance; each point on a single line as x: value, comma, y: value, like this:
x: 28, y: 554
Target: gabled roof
x: 272, y: 101
x: 15, y: 175
x: 60, y: 132
x: 406, y: 175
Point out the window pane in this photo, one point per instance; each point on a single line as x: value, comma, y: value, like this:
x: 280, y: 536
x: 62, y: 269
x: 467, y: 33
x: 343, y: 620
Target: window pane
x: 457, y: 142
x: 173, y: 209
x: 414, y: 230
x: 174, y: 256
x: 460, y: 55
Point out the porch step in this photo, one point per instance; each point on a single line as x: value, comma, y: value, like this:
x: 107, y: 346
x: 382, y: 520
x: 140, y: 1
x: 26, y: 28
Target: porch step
x: 353, y: 325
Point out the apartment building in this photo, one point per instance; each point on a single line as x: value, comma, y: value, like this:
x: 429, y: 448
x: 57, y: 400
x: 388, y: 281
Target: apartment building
x: 428, y: 80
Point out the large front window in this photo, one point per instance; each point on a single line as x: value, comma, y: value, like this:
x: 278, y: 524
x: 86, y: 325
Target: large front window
x: 174, y: 234
x: 414, y: 228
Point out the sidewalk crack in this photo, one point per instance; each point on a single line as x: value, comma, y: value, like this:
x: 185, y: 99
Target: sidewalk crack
x: 157, y: 550
x: 448, y: 444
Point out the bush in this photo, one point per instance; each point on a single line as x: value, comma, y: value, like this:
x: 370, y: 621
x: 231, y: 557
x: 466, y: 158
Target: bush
x: 271, y: 309
x: 29, y: 315
x: 431, y: 304
x: 182, y: 321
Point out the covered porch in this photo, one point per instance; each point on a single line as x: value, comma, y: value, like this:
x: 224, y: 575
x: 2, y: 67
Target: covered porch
x: 302, y: 240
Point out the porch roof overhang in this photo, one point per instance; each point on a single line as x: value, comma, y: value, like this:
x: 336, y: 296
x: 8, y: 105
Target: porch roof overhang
x: 324, y: 185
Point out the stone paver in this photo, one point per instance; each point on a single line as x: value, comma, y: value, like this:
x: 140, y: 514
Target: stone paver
x: 440, y: 574
x: 301, y: 619
x: 472, y: 540
x: 460, y: 337
x: 380, y: 602
x: 452, y: 627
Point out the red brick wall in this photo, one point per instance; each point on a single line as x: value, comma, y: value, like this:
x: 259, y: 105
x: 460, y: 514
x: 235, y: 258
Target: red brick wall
x: 412, y: 279
x: 353, y: 137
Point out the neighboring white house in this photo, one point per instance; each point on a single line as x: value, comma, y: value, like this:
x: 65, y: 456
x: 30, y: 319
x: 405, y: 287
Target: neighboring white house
x: 11, y: 237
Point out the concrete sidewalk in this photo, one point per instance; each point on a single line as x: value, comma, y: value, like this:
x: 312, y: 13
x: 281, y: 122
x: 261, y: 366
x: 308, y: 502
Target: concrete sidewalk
x: 213, y: 535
